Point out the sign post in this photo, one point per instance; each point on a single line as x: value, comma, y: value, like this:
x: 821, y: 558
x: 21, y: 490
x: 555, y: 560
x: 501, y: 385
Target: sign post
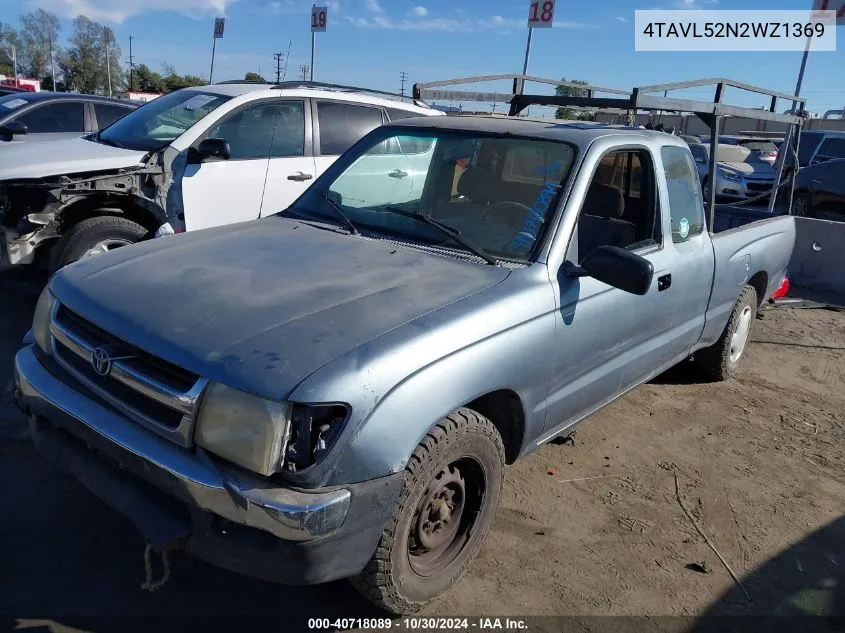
x: 541, y: 15
x: 219, y: 25
x: 319, y: 20
x: 818, y: 5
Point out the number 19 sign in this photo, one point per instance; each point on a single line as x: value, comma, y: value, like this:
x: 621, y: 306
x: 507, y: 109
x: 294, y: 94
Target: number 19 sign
x: 541, y: 14
x: 318, y: 19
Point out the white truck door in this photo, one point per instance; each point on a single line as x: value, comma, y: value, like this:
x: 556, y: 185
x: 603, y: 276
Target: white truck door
x: 223, y: 191
x: 291, y: 169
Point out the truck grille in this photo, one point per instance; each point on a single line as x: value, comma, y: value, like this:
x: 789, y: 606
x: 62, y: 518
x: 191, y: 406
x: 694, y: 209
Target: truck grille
x: 759, y: 186
x: 153, y: 392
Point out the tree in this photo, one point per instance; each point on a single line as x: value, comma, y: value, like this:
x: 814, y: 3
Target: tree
x: 572, y: 91
x: 146, y: 80
x: 254, y: 77
x: 84, y: 62
x: 39, y: 32
x: 175, y: 81
x: 9, y: 41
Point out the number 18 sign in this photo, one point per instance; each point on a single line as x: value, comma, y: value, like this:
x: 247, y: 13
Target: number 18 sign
x: 541, y: 14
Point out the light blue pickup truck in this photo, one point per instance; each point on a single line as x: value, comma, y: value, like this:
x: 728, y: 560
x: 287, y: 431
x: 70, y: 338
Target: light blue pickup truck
x: 335, y: 391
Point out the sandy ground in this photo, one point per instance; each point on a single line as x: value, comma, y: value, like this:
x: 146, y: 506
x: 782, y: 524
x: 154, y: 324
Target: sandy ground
x: 759, y: 461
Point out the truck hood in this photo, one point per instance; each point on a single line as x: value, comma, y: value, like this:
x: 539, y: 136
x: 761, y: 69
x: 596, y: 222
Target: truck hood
x: 261, y: 305
x: 67, y: 156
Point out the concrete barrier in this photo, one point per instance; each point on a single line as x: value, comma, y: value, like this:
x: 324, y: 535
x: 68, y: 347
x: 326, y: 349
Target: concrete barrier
x: 818, y: 259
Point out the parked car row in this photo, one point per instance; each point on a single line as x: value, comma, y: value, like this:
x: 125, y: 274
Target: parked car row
x: 193, y: 159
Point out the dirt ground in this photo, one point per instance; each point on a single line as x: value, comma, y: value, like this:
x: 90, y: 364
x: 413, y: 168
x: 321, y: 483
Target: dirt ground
x: 586, y: 529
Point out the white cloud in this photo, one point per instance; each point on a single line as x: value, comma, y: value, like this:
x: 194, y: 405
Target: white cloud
x: 117, y: 12
x: 621, y: 19
x: 420, y: 11
x: 373, y: 6
x: 693, y: 4
x: 495, y: 22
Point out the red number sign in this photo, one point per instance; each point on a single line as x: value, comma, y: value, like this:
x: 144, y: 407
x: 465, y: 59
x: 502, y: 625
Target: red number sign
x: 832, y: 5
x: 318, y: 19
x: 541, y: 14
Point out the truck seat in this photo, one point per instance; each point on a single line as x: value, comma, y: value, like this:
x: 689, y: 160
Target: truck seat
x: 599, y: 223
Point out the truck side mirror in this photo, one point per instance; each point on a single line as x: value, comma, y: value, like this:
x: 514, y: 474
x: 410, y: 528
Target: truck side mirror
x: 210, y: 149
x: 14, y: 127
x: 616, y: 267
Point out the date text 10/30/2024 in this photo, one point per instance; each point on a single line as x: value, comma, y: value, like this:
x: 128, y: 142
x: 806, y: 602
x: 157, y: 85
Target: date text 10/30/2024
x: 419, y: 624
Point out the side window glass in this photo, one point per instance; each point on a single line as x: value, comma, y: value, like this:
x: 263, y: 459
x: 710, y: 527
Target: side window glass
x: 620, y: 208
x: 108, y: 114
x: 289, y: 135
x: 394, y: 114
x: 55, y: 118
x: 249, y: 131
x: 342, y: 125
x: 832, y: 148
x: 686, y: 207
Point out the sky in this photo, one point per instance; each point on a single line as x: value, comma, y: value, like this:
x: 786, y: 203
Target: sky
x: 369, y: 42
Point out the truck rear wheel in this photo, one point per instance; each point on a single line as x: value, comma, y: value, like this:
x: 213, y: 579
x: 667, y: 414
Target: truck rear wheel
x: 721, y: 360
x: 453, y: 484
x: 94, y: 236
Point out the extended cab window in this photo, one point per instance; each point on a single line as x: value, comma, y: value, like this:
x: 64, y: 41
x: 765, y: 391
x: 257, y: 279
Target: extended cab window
x: 686, y: 206
x: 55, y: 118
x: 620, y: 208
x: 342, y: 125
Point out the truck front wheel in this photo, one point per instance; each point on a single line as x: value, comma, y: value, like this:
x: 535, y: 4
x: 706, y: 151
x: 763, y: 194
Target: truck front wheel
x: 453, y: 484
x: 721, y: 360
x: 94, y: 236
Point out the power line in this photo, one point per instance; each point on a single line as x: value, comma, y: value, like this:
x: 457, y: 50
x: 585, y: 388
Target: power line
x: 279, y: 57
x: 304, y: 70
x: 403, y: 76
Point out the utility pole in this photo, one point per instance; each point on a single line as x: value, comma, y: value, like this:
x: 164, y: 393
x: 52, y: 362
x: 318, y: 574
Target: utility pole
x: 52, y: 64
x: 279, y: 57
x: 107, y: 38
x: 131, y: 62
x: 403, y: 76
x: 303, y: 72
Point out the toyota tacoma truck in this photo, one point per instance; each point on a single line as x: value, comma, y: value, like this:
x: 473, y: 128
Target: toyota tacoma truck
x: 335, y: 391
x: 192, y: 159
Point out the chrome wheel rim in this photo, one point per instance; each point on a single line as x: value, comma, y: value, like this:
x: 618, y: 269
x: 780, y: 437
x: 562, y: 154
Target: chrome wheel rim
x: 104, y: 246
x: 739, y: 340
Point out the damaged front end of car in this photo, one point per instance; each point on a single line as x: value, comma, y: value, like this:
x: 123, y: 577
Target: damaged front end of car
x: 37, y: 211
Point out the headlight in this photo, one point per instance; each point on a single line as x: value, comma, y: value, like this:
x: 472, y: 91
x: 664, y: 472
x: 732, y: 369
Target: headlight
x: 41, y: 320
x: 729, y: 175
x: 247, y: 430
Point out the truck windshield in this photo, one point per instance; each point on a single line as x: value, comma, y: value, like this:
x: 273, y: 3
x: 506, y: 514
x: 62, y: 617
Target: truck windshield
x: 159, y: 122
x: 497, y: 194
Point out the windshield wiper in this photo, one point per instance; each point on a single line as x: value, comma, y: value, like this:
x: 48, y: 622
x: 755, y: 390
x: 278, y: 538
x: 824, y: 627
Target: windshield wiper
x: 448, y: 230
x: 353, y: 230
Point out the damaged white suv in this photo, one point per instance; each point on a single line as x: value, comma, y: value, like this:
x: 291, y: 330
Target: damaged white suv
x: 195, y: 158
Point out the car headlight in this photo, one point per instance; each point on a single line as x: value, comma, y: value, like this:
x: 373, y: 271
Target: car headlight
x: 729, y: 175
x: 246, y: 430
x: 41, y: 320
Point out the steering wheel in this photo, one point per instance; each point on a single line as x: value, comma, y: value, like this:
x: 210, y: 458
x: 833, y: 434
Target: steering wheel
x: 509, y: 213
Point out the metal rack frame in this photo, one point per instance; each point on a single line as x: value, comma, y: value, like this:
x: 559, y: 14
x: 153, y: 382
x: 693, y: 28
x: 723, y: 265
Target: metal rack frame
x: 292, y: 85
x: 640, y: 98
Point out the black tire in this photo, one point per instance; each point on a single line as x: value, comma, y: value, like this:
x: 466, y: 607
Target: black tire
x: 801, y: 205
x: 81, y: 237
x: 399, y: 577
x: 720, y: 361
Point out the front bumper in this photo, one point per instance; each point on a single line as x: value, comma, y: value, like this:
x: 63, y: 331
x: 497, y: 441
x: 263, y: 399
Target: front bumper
x: 742, y: 189
x: 181, y: 498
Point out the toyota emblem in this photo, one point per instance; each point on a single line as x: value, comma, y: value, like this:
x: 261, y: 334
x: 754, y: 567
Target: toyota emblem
x: 101, y: 361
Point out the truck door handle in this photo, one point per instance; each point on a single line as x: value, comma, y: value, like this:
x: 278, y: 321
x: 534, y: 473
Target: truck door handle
x: 816, y: 181
x: 664, y: 282
x: 300, y: 177
x: 398, y: 173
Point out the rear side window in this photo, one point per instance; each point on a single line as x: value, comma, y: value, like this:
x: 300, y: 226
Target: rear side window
x: 55, y: 118
x: 686, y: 207
x: 108, y: 114
x: 342, y: 125
x: 832, y: 148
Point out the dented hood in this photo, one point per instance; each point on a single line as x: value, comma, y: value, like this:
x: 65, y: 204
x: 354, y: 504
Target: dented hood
x: 261, y: 305
x: 68, y: 156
